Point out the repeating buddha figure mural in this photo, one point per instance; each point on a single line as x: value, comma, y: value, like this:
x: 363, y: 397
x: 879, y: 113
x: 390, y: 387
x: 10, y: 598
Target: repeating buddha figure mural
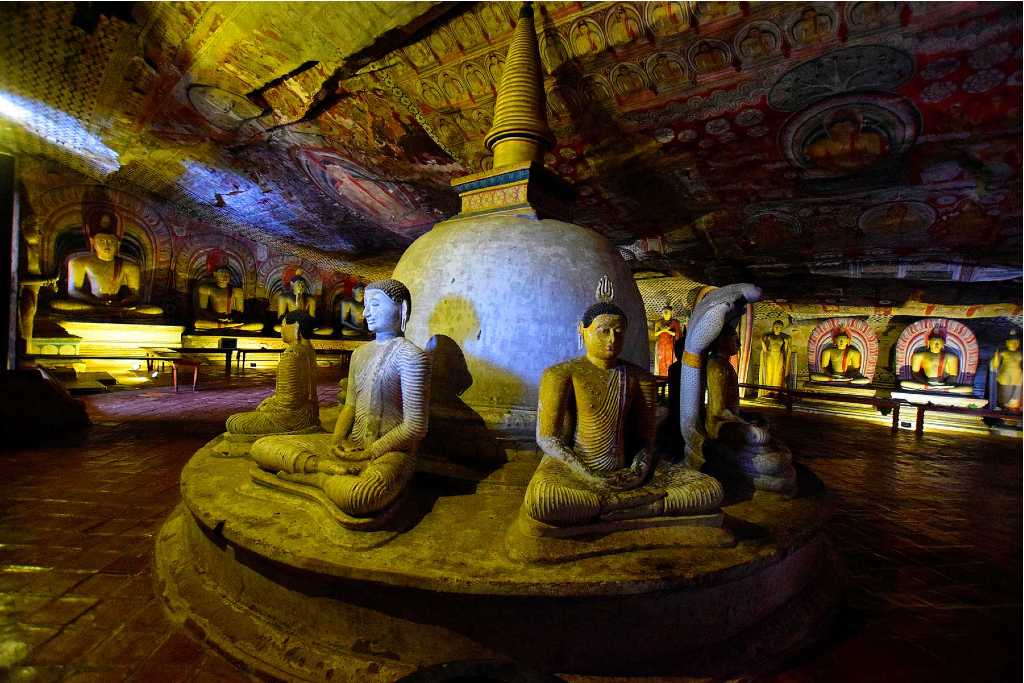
x: 364, y: 466
x: 101, y: 282
x: 596, y: 427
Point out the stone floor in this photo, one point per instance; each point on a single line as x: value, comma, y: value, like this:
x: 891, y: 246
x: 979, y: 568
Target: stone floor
x: 930, y: 530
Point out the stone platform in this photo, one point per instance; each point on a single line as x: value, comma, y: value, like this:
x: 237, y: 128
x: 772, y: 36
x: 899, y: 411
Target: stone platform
x: 839, y: 389
x: 940, y: 420
x: 283, y: 590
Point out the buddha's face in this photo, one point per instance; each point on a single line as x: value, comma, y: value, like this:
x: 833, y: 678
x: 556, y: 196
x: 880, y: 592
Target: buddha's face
x: 842, y: 341
x: 935, y: 344
x: 105, y: 246
x: 666, y: 314
x: 776, y: 327
x: 289, y: 332
x: 299, y: 286
x: 222, y: 276
x: 382, y: 313
x: 605, y: 336
x: 1013, y: 344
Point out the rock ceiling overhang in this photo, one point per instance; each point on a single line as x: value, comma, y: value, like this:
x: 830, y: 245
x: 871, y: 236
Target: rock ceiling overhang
x: 758, y: 140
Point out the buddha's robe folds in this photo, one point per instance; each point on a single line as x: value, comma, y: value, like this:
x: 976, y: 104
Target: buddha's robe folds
x: 294, y: 406
x: 384, y: 419
x: 596, y: 426
x: 737, y: 444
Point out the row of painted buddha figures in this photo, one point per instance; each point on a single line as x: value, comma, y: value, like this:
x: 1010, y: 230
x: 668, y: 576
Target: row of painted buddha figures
x: 596, y: 428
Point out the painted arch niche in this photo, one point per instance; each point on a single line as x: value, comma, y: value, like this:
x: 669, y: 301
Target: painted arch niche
x: 959, y: 340
x: 201, y: 254
x: 146, y: 237
x: 862, y: 338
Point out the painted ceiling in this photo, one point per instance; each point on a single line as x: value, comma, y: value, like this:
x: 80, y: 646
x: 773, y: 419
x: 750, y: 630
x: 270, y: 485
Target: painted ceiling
x: 755, y: 140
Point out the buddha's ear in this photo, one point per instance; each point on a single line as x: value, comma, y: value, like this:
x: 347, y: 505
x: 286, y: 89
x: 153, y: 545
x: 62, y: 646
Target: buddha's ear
x: 405, y: 314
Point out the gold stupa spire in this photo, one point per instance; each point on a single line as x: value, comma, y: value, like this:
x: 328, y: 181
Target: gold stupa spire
x: 519, y: 132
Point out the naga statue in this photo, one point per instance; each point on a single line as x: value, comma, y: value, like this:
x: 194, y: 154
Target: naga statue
x: 725, y: 441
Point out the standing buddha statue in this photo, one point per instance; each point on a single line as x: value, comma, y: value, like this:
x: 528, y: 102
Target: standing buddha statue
x: 666, y: 331
x: 1005, y: 368
x: 774, y: 360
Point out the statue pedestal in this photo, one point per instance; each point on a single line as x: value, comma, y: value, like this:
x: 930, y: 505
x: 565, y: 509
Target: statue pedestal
x: 839, y: 389
x: 948, y: 421
x: 277, y: 584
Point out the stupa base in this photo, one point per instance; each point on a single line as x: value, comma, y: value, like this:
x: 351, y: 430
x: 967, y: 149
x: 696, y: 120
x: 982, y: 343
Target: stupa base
x: 260, y: 575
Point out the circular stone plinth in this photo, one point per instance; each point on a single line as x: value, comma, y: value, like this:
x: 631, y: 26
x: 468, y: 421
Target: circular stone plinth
x: 273, y: 581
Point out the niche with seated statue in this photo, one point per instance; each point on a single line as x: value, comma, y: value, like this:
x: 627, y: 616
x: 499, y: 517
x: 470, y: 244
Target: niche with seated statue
x: 842, y: 354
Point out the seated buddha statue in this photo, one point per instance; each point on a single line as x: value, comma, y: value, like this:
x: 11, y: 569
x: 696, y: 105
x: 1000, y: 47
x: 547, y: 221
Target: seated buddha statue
x: 353, y: 320
x: 840, y: 363
x: 739, y: 445
x: 364, y: 466
x: 1006, y: 368
x: 219, y: 306
x: 293, y: 407
x: 299, y: 299
x: 935, y: 369
x: 596, y: 428
x: 113, y: 281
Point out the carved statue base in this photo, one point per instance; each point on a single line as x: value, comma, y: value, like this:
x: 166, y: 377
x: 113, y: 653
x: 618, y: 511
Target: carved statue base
x: 275, y: 582
x: 531, y: 541
x: 838, y: 388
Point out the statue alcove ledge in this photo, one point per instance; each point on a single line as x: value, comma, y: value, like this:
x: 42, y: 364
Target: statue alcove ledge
x: 278, y: 585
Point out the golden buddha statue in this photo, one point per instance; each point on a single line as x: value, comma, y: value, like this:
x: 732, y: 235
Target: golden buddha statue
x: 842, y: 363
x: 300, y: 300
x: 353, y: 319
x: 1006, y: 368
x: 596, y: 427
x: 113, y: 281
x: 294, y: 407
x: 935, y: 369
x: 30, y: 282
x: 364, y: 466
x: 740, y: 445
x: 774, y: 359
x: 220, y: 306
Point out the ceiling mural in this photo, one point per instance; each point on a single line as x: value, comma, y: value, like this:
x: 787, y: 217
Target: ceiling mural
x: 753, y: 140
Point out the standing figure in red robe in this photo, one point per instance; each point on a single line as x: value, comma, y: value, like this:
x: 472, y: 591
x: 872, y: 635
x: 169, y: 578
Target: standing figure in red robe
x: 666, y: 331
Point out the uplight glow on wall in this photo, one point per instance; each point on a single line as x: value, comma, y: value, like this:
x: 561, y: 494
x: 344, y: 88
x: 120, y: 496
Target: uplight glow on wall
x: 60, y: 129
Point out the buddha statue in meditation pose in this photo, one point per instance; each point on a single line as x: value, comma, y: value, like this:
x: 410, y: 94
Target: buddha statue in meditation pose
x: 935, y: 369
x: 113, y: 281
x: 840, y: 363
x: 738, y: 445
x: 596, y: 428
x: 220, y: 306
x: 353, y: 320
x: 1006, y: 368
x: 300, y: 299
x: 293, y: 408
x: 364, y: 466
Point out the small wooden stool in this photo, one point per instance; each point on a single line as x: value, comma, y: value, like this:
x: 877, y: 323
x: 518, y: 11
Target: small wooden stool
x: 185, y: 362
